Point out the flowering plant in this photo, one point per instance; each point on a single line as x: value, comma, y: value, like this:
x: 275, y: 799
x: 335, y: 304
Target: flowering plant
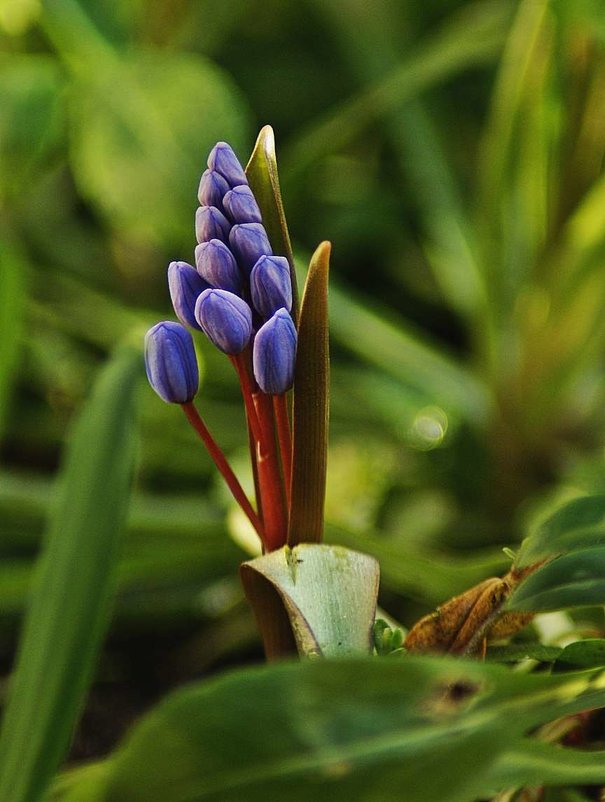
x: 243, y: 297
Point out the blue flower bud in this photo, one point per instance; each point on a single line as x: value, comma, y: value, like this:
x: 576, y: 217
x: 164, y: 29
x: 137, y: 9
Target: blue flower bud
x: 170, y: 362
x: 212, y: 189
x: 224, y: 161
x: 271, y: 285
x: 225, y: 319
x: 216, y: 264
x: 241, y: 206
x: 249, y: 242
x: 274, y: 354
x: 185, y: 285
x: 210, y: 223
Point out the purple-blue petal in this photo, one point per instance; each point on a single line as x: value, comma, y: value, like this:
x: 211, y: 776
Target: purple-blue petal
x: 240, y: 205
x: 170, y: 362
x: 274, y: 354
x: 212, y: 189
x: 211, y: 223
x: 224, y: 161
x: 216, y: 264
x: 225, y: 319
x: 185, y: 285
x: 271, y: 285
x: 249, y: 242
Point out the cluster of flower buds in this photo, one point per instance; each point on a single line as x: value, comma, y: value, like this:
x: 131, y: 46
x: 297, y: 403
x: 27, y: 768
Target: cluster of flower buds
x: 240, y: 295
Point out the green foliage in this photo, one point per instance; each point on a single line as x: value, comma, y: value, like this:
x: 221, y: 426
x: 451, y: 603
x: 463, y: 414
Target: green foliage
x: 311, y: 406
x: 453, y: 154
x: 328, y: 594
x: 575, y: 536
x: 69, y: 608
x: 364, y: 729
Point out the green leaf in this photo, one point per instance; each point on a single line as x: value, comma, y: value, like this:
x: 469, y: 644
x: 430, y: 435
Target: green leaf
x: 428, y: 575
x: 138, y: 153
x: 311, y: 406
x: 515, y: 652
x: 84, y: 783
x: 12, y: 314
x: 403, y: 353
x: 328, y: 594
x: 579, y: 523
x: 32, y: 121
x: 366, y: 35
x: 533, y: 763
x: 366, y: 730
x: 513, y: 201
x: 71, y: 598
x: 463, y: 41
x: 588, y: 653
x: 263, y: 178
x: 573, y: 580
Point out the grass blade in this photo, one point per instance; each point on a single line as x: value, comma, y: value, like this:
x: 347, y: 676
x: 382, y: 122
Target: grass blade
x: 71, y: 597
x: 12, y: 307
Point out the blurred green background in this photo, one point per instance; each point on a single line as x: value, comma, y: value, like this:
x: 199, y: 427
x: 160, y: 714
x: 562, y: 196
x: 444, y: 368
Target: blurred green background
x: 453, y: 154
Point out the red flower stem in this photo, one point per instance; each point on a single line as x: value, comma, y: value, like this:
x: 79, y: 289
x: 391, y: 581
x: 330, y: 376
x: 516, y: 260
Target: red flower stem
x: 242, y: 367
x: 284, y: 436
x: 194, y: 418
x: 247, y: 394
x: 257, y: 493
x: 271, y: 480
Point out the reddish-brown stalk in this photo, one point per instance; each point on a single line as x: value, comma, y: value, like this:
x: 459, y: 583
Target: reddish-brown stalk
x: 265, y: 460
x: 284, y: 436
x: 194, y: 418
x: 245, y: 380
x: 271, y: 480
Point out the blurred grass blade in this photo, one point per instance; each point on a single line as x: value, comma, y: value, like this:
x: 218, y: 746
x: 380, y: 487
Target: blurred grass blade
x: 427, y: 575
x: 327, y: 592
x: 311, y: 406
x: 84, y: 783
x: 513, y: 186
x: 470, y: 39
x: 72, y: 594
x: 509, y: 91
x: 401, y: 353
x: 534, y: 763
x: 264, y: 181
x: 12, y: 310
x: 372, y: 45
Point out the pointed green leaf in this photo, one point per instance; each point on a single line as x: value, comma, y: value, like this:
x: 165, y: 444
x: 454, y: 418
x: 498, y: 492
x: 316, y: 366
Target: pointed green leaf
x: 588, y: 653
x: 572, y: 580
x: 264, y: 181
x: 514, y: 652
x: 328, y: 595
x: 311, y: 406
x: 70, y: 602
x: 579, y: 523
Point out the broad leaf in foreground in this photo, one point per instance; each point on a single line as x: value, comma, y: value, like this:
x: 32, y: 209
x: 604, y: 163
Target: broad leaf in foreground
x: 418, y: 729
